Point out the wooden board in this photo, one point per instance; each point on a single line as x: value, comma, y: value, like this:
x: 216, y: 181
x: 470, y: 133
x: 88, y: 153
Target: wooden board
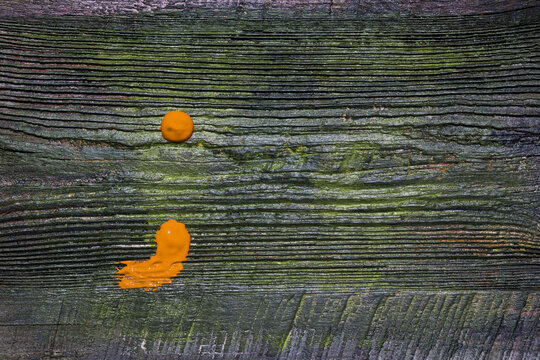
x: 216, y: 323
x: 336, y: 9
x: 362, y: 189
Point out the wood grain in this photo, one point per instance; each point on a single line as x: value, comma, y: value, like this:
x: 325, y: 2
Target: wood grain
x: 261, y: 8
x: 220, y: 324
x: 354, y: 189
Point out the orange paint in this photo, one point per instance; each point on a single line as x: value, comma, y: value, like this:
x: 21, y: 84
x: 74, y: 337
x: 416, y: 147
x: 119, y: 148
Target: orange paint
x: 173, y: 242
x: 176, y: 126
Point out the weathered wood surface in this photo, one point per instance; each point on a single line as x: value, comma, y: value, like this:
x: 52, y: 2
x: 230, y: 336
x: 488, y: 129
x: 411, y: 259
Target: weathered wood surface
x: 354, y: 189
x: 281, y: 324
x: 263, y: 8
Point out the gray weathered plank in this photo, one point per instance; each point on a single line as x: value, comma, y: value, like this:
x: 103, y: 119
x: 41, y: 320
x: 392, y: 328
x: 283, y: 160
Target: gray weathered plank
x: 246, y: 324
x: 348, y: 153
x: 354, y: 189
x: 261, y: 8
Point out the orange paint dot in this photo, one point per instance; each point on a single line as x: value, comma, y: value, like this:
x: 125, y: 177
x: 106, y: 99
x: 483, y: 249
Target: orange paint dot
x: 176, y: 126
x: 173, y: 242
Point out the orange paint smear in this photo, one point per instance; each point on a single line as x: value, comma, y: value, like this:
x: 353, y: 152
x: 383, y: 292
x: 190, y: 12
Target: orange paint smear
x: 176, y: 126
x: 173, y: 242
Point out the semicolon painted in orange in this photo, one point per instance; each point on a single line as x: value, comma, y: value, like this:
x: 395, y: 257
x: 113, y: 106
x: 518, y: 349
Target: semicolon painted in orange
x: 173, y: 242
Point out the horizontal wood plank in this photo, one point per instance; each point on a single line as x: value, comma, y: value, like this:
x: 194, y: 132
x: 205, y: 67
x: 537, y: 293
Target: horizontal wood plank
x: 247, y: 324
x: 353, y: 154
x: 260, y: 8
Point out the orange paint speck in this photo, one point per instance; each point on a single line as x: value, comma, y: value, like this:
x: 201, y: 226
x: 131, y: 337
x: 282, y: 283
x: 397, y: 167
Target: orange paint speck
x: 176, y: 126
x: 173, y: 242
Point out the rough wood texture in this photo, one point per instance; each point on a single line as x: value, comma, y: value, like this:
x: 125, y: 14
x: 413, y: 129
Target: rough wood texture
x: 354, y: 189
x: 263, y: 8
x: 218, y: 324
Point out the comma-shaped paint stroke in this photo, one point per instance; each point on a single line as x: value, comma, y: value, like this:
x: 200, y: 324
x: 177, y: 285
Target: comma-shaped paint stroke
x: 173, y: 242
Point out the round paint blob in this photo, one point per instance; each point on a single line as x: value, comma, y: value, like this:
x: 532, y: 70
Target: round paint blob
x: 176, y: 126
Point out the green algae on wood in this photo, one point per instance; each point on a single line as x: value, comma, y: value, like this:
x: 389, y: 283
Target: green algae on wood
x: 382, y: 172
